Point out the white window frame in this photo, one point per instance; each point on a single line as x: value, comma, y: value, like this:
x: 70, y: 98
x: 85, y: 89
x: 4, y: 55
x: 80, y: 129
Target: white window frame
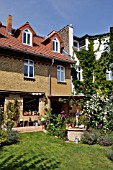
x: 55, y: 45
x: 28, y: 68
x: 93, y: 78
x: 79, y: 72
x: 60, y: 71
x: 109, y: 74
x: 27, y: 32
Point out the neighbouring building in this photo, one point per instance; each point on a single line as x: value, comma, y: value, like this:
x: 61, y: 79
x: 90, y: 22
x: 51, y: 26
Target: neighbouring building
x: 73, y: 43
x: 33, y: 69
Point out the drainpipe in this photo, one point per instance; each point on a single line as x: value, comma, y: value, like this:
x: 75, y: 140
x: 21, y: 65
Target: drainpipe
x: 50, y: 68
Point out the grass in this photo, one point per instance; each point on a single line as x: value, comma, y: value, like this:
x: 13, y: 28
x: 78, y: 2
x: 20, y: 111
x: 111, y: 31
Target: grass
x: 38, y: 151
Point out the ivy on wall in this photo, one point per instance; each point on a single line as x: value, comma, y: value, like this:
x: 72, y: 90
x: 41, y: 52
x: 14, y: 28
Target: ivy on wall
x: 90, y: 66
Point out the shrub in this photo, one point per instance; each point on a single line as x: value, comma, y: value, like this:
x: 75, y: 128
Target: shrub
x: 61, y: 133
x: 110, y: 154
x: 57, y: 130
x: 10, y: 124
x: 90, y: 137
x: 105, y: 141
x: 51, y: 129
x: 12, y: 136
x: 3, y: 137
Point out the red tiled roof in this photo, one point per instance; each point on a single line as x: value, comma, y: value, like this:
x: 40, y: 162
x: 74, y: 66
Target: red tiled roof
x: 10, y: 42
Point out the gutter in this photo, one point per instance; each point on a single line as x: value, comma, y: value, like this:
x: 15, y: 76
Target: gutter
x: 50, y: 69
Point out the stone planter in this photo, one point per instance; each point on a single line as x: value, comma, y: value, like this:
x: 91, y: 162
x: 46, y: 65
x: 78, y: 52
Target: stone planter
x: 73, y: 133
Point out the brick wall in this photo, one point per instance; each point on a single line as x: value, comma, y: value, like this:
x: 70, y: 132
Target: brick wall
x: 64, y: 35
x: 12, y: 77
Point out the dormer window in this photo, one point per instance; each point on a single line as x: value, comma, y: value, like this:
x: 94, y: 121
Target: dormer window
x: 55, y: 45
x: 27, y: 37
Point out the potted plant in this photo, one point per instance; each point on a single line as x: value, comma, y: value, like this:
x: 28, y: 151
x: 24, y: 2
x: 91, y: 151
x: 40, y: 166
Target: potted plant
x: 73, y: 122
x: 67, y: 122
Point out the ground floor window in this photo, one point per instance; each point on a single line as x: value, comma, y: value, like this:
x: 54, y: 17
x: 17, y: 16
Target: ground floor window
x: 30, y: 106
x: 109, y: 75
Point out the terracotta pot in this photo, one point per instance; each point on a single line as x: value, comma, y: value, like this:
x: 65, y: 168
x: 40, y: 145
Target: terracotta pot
x: 72, y: 125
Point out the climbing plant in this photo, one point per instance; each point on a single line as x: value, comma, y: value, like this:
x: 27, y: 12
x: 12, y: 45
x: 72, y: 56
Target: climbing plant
x: 86, y: 59
x: 92, y: 67
x: 13, y: 110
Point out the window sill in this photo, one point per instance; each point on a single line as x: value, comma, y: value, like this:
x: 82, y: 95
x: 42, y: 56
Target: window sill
x: 29, y: 78
x: 27, y: 44
x: 55, y: 51
x: 61, y: 82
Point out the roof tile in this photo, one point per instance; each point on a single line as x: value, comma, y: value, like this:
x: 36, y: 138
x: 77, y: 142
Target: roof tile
x: 9, y: 41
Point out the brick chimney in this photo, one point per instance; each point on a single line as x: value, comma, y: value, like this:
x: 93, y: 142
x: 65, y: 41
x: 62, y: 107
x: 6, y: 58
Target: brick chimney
x: 9, y: 24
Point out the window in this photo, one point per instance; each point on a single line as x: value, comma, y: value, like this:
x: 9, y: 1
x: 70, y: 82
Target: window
x: 75, y: 44
x: 28, y: 69
x: 30, y: 105
x: 60, y: 74
x: 55, y: 45
x: 79, y: 72
x: 27, y: 37
x: 109, y: 75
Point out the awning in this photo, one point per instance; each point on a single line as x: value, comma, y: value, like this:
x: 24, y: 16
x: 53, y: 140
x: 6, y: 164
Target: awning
x: 79, y: 96
x: 22, y: 93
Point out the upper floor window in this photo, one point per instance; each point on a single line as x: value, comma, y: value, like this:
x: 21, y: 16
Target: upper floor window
x: 60, y: 74
x: 55, y: 45
x: 79, y: 72
x: 109, y: 75
x: 27, y: 37
x: 28, y: 69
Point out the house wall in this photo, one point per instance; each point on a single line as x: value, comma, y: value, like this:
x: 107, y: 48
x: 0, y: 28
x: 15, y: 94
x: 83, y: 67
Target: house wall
x: 66, y: 34
x: 71, y: 40
x: 12, y: 78
x: 61, y: 89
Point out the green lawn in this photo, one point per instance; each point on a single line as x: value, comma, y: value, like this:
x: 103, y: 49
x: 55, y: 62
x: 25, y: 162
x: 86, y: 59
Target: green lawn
x: 40, y: 151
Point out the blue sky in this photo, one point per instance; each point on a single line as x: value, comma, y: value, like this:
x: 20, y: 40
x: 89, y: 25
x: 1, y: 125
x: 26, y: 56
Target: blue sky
x: 87, y: 16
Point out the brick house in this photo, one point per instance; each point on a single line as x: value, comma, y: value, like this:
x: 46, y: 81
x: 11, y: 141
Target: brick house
x: 33, y: 70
